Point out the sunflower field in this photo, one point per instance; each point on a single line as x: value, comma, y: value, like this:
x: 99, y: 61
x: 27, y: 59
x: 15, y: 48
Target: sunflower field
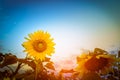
x: 37, y: 65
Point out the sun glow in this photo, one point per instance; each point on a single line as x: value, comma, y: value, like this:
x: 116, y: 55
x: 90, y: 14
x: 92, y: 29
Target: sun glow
x: 66, y: 49
x: 70, y: 44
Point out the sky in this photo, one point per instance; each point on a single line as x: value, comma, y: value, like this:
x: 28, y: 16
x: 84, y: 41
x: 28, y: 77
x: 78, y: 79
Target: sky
x: 74, y: 25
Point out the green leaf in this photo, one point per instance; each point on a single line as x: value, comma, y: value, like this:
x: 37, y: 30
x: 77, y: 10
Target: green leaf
x: 8, y: 60
x: 46, y: 59
x: 30, y: 63
x: 100, y: 51
x: 50, y: 65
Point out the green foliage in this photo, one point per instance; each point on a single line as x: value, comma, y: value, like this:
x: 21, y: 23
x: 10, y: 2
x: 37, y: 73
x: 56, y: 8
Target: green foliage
x: 7, y: 59
x: 47, y: 69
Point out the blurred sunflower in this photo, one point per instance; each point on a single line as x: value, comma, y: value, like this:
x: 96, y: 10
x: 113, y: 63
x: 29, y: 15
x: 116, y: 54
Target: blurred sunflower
x: 93, y: 62
x: 39, y: 44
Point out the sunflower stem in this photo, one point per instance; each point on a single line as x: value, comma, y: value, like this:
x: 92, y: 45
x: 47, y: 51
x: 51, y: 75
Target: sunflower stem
x: 36, y: 71
x: 38, y: 68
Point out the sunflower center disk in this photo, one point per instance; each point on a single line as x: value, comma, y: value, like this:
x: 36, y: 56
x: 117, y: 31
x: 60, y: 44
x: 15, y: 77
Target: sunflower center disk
x: 95, y: 64
x: 39, y: 45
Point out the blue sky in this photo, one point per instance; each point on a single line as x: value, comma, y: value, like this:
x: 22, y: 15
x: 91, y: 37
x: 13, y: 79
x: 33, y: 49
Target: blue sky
x: 74, y: 25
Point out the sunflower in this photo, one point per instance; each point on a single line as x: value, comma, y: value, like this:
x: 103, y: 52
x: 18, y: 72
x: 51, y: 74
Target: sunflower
x: 38, y: 45
x: 93, y: 62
